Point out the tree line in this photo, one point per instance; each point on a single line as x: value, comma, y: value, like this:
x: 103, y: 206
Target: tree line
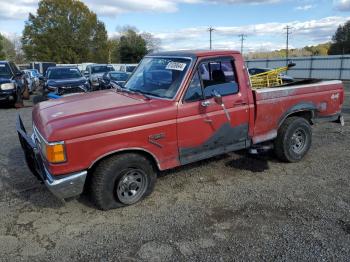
x: 317, y: 50
x: 67, y: 31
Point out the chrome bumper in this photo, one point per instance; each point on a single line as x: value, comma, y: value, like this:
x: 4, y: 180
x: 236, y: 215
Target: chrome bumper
x: 70, y: 185
x: 62, y: 187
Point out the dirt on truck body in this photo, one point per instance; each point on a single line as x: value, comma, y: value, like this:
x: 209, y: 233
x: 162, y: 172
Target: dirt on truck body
x: 176, y: 108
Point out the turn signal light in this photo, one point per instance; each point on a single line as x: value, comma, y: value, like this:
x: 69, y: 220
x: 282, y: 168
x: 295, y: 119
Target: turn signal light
x: 55, y: 153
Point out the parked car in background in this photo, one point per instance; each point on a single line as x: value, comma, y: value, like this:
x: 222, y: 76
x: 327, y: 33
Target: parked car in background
x: 65, y: 80
x: 113, y: 77
x: 35, y: 72
x: 32, y: 79
x: 127, y: 68
x: 285, y: 78
x: 94, y: 72
x: 12, y: 84
x: 41, y: 67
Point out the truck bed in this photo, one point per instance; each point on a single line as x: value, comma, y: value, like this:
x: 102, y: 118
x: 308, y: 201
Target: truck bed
x: 272, y: 105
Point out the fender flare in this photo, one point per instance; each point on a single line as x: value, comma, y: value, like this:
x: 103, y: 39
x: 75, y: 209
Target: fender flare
x: 300, y: 107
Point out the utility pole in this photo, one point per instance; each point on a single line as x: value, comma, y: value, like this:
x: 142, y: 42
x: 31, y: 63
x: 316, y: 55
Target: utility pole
x: 288, y: 31
x: 242, y: 37
x: 210, y: 29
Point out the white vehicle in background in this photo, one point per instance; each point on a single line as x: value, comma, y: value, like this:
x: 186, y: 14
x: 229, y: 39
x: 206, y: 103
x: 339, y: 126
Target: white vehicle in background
x: 127, y: 68
x: 82, y: 67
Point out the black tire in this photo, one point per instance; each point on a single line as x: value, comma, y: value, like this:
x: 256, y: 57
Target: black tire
x: 109, y: 181
x: 293, y: 139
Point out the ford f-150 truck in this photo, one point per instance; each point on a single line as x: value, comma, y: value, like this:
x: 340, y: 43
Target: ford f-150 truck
x: 175, y: 109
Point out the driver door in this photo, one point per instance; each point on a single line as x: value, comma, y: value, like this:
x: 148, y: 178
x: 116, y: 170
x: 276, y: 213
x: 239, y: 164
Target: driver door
x: 204, y: 129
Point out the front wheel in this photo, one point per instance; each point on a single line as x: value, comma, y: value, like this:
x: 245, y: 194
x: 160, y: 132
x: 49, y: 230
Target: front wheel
x: 122, y: 180
x: 293, y: 139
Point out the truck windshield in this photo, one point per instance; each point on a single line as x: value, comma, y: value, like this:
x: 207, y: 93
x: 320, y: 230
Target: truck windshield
x: 101, y: 69
x: 5, y: 71
x: 119, y: 76
x: 130, y: 69
x: 64, y: 73
x: 159, y: 77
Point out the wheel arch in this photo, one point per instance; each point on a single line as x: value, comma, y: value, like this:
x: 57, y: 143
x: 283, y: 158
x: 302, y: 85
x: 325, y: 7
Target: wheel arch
x: 306, y: 110
x: 141, y: 151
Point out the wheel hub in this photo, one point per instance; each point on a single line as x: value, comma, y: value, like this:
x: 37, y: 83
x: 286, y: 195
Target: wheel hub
x: 131, y: 186
x: 298, y: 141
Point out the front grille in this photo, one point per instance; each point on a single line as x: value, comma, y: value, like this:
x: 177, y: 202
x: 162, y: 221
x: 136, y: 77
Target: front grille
x: 70, y: 90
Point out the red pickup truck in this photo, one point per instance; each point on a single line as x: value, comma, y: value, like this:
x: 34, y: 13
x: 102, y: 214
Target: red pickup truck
x: 175, y: 109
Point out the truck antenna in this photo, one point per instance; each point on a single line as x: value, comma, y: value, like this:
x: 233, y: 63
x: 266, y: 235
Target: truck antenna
x: 210, y: 29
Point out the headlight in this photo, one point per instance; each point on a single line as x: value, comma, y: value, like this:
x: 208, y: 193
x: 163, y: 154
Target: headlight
x: 7, y: 86
x: 53, y: 152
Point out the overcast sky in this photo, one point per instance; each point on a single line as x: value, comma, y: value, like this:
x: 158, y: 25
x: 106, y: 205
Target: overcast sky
x: 182, y: 24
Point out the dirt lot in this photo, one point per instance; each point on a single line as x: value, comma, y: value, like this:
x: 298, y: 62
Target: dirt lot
x: 232, y: 207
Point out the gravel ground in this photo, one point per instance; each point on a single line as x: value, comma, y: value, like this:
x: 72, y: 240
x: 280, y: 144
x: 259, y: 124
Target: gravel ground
x: 233, y: 207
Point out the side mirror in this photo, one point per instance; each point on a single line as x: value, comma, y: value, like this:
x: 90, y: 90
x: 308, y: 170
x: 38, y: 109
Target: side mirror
x: 218, y: 100
x: 217, y: 97
x: 86, y: 73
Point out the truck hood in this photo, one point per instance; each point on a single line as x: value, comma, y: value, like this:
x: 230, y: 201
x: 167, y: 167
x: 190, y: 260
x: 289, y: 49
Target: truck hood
x: 4, y: 80
x: 99, y: 112
x: 66, y: 82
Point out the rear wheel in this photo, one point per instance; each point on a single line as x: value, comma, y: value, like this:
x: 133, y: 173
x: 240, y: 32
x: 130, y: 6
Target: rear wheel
x: 293, y: 139
x: 122, y: 180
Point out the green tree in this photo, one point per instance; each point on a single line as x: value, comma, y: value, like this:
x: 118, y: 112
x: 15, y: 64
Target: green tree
x: 341, y: 40
x: 114, y: 51
x: 152, y: 43
x: 2, y: 53
x: 132, y: 47
x: 64, y: 31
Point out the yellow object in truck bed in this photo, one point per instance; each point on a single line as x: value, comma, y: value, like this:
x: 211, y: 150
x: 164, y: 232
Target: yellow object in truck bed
x: 269, y: 79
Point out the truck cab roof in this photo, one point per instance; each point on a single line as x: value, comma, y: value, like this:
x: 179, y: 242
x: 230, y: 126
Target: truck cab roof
x: 195, y: 53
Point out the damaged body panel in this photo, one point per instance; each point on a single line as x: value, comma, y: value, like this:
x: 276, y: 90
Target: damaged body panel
x: 225, y: 139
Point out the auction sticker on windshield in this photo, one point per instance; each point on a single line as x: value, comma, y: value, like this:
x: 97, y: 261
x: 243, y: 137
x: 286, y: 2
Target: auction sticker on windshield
x: 176, y: 66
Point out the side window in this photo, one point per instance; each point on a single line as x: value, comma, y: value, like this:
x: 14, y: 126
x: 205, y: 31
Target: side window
x: 219, y: 75
x: 194, y: 91
x: 15, y: 69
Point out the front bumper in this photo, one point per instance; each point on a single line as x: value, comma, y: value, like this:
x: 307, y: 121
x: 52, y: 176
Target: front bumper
x: 7, y: 96
x: 65, y: 186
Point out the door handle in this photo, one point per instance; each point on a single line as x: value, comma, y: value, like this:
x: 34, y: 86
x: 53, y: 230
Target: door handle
x: 206, y: 103
x: 209, y: 121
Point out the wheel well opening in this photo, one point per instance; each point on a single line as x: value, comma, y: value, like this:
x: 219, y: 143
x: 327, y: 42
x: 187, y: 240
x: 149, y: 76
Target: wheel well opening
x: 307, y: 115
x: 91, y: 170
x: 145, y: 154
